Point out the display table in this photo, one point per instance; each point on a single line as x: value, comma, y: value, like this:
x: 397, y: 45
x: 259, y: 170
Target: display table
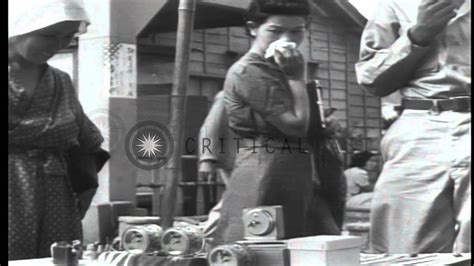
x: 366, y: 260
x: 41, y: 262
x: 130, y: 260
x: 420, y: 259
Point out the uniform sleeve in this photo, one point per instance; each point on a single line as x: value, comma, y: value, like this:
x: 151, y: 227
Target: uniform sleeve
x: 387, y: 55
x: 261, y: 89
x: 212, y: 130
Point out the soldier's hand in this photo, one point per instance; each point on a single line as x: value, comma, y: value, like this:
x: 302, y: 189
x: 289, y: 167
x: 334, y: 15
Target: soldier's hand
x: 389, y: 113
x: 207, y: 171
x: 433, y: 16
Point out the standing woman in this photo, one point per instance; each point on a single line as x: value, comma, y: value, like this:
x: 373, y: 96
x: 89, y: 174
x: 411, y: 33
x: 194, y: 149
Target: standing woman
x: 45, y: 121
x: 268, y: 109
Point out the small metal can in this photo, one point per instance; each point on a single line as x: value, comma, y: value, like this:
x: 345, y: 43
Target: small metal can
x: 258, y: 222
x: 90, y: 253
x: 142, y: 239
x: 64, y: 253
x: 183, y: 240
x: 230, y: 255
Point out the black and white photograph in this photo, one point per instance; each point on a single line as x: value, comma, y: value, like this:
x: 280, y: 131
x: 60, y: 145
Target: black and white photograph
x: 239, y: 132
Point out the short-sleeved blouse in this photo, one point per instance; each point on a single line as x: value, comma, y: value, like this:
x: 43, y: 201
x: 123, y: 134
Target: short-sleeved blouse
x: 255, y: 90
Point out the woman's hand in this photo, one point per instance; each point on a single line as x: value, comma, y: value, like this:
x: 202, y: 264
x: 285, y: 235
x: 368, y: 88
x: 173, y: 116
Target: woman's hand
x: 291, y: 62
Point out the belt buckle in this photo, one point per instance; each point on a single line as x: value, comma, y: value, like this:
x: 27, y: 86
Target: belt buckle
x: 435, y: 109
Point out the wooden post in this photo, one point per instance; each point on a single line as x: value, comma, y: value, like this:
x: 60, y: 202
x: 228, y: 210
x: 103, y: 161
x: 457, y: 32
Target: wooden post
x: 186, y: 11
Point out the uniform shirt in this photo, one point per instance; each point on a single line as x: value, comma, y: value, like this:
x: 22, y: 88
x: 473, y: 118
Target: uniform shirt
x: 387, y: 56
x: 356, y: 178
x: 216, y: 140
x: 254, y: 90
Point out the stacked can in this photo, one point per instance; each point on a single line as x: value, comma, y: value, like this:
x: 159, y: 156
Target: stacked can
x: 230, y: 255
x: 183, y: 240
x: 142, y: 239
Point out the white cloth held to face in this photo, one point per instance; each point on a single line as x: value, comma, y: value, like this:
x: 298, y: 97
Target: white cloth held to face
x: 279, y: 45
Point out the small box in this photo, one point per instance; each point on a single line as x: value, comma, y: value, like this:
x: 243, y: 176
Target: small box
x: 325, y: 250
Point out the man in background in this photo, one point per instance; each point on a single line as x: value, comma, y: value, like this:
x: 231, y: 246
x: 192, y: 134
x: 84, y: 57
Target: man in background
x: 217, y: 150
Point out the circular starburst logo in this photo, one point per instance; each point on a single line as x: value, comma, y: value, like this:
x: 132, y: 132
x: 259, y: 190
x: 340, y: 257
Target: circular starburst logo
x: 149, y: 145
x: 110, y: 126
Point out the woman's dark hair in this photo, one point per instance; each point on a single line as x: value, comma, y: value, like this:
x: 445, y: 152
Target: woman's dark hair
x: 360, y: 159
x: 260, y: 10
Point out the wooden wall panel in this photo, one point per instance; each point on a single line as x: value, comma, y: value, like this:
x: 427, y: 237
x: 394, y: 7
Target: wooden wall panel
x: 238, y: 31
x: 194, y: 87
x: 356, y: 111
x: 212, y: 38
x: 338, y: 95
x: 356, y: 100
x: 239, y: 44
x: 338, y: 85
x: 332, y: 50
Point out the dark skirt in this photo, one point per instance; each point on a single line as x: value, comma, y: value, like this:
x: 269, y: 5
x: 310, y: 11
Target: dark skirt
x: 262, y: 178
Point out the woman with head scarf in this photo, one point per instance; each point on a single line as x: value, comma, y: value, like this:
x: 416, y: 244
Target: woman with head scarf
x: 45, y: 121
x: 268, y: 108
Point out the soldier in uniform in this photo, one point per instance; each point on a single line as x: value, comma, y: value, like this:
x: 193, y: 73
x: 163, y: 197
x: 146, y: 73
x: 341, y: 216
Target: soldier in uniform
x: 216, y: 152
x: 420, y: 48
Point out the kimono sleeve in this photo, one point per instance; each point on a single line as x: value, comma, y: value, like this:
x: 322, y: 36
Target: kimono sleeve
x: 87, y: 159
x: 89, y: 137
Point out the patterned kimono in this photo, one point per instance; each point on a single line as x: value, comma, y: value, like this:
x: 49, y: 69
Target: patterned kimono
x: 41, y: 204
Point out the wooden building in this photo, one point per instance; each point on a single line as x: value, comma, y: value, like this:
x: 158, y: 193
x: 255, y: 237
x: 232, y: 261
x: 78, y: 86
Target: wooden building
x: 331, y: 49
x: 148, y: 30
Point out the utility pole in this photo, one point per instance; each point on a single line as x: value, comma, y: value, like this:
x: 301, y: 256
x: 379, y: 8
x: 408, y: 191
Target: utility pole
x: 186, y: 12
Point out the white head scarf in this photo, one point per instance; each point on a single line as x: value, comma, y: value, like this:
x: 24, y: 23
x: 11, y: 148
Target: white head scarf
x: 26, y: 16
